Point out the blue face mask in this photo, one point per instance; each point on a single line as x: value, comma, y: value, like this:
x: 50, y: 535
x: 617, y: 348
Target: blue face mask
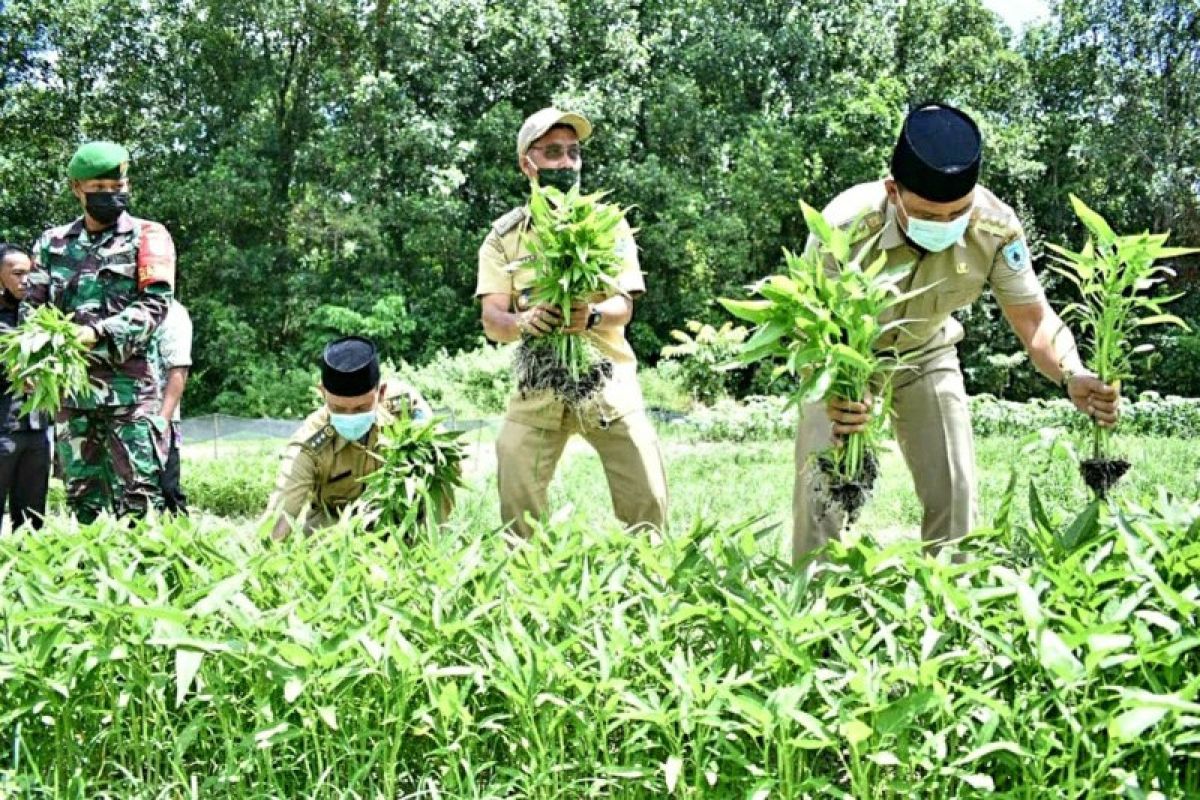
x: 352, y: 427
x: 935, y: 236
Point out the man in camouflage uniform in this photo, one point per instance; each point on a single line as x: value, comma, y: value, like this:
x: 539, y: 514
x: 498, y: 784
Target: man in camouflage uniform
x: 330, y: 454
x: 958, y: 237
x: 114, y: 274
x: 536, y: 427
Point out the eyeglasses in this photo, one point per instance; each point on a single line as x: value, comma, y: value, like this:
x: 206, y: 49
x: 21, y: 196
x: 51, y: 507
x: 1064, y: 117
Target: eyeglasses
x: 556, y: 151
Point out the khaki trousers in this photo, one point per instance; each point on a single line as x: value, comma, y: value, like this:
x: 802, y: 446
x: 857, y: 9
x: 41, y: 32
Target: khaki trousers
x: 932, y: 421
x: 628, y: 450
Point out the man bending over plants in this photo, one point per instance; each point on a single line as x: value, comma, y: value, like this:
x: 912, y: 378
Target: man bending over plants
x: 343, y: 442
x: 956, y: 237
x: 529, y: 255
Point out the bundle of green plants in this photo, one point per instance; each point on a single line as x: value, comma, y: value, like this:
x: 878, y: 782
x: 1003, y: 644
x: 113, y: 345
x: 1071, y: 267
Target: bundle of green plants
x: 822, y: 319
x: 573, y: 241
x: 44, y: 358
x: 420, y: 467
x: 1116, y: 277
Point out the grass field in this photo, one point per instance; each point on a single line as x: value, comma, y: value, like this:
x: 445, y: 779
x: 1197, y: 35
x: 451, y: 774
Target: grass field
x: 722, y: 482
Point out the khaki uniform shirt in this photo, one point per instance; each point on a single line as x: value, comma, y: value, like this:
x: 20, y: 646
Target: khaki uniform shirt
x: 993, y: 252
x: 505, y: 268
x: 322, y: 473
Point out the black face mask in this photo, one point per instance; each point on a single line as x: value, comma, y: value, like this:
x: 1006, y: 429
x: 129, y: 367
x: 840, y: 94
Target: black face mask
x: 106, y: 207
x: 561, y: 179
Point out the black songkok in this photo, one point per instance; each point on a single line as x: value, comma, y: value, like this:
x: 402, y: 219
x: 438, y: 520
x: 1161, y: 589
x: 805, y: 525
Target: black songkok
x: 350, y: 367
x: 938, y: 154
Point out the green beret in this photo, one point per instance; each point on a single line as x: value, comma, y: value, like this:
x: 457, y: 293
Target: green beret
x: 98, y: 160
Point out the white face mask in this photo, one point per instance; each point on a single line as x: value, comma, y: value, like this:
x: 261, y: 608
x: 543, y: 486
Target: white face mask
x: 935, y: 236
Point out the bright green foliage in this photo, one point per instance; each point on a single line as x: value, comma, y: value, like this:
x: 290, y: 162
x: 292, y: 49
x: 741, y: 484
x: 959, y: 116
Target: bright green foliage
x: 701, y: 353
x: 421, y: 467
x: 188, y: 660
x: 823, y: 318
x: 573, y: 240
x: 45, y: 354
x: 1114, y: 276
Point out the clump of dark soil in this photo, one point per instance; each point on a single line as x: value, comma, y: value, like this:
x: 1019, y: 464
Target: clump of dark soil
x: 1101, y: 474
x: 848, y: 495
x: 538, y: 368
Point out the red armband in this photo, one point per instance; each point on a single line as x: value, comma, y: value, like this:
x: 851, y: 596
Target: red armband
x: 156, y: 256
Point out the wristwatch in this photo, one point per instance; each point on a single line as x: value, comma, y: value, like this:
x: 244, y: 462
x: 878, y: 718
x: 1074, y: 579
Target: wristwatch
x: 594, y: 317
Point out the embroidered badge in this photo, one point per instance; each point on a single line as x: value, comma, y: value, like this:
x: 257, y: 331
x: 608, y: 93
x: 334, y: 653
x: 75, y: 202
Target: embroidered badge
x: 1017, y: 255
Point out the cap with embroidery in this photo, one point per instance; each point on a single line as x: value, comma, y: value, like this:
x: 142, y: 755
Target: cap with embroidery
x: 938, y: 154
x: 350, y: 367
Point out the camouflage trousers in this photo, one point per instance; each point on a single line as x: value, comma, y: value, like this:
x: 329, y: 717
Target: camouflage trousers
x: 112, y: 459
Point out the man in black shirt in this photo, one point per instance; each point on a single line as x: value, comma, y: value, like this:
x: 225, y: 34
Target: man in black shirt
x: 24, y: 440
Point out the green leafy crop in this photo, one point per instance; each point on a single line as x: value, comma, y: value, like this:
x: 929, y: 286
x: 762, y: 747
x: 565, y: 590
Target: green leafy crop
x: 45, y: 355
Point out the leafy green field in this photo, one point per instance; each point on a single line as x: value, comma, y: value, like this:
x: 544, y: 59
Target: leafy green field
x: 194, y: 659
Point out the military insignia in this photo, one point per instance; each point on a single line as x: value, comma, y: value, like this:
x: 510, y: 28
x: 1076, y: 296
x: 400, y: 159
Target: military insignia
x: 509, y: 221
x: 962, y: 268
x: 1016, y: 253
x: 321, y: 438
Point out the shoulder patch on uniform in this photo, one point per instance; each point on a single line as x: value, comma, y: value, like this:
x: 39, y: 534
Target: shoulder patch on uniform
x: 1016, y: 254
x: 321, y: 438
x: 509, y: 221
x: 869, y: 225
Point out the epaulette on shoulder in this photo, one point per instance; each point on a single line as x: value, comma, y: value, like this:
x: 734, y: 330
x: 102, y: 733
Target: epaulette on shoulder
x: 398, y: 404
x: 319, y: 439
x: 868, y: 225
x: 509, y: 221
x: 996, y: 225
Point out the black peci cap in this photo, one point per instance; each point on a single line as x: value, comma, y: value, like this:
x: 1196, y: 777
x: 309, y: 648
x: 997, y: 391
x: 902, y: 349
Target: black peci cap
x: 350, y: 367
x: 938, y: 153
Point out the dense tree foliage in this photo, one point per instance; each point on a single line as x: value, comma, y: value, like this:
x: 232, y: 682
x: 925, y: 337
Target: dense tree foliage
x: 332, y: 165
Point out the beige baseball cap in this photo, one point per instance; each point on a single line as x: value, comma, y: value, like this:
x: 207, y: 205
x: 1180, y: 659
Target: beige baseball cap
x: 538, y: 123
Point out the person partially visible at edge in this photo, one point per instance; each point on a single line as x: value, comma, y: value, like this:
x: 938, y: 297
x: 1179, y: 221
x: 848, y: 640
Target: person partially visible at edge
x: 114, y: 275
x: 958, y: 237
x: 24, y: 438
x: 536, y: 427
x: 175, y: 361
x: 329, y: 455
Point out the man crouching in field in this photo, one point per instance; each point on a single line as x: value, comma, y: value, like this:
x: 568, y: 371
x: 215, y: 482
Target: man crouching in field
x: 327, y: 458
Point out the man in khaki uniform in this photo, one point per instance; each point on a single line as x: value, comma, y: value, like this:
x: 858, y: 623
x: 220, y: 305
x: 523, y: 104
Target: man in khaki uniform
x: 332, y: 452
x: 957, y: 237
x: 536, y: 427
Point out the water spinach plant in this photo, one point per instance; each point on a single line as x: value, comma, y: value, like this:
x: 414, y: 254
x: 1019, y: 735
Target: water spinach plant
x: 182, y: 658
x: 1115, y: 276
x: 420, y: 469
x: 44, y: 355
x: 822, y: 318
x: 573, y: 239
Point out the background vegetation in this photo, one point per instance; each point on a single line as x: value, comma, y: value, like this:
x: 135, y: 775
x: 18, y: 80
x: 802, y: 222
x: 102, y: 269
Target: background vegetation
x: 329, y: 166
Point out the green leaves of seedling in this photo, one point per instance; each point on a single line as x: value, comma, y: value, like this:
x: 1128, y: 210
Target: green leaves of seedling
x: 821, y: 319
x: 573, y: 240
x: 1115, y: 277
x: 44, y: 356
x: 421, y: 466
